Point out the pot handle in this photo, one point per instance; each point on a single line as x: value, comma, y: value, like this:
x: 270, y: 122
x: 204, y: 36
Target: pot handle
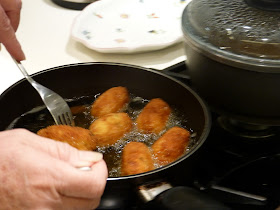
x: 178, y: 70
x: 184, y: 198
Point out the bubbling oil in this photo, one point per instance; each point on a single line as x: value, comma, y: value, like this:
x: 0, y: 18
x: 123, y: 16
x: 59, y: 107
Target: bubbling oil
x: 39, y: 117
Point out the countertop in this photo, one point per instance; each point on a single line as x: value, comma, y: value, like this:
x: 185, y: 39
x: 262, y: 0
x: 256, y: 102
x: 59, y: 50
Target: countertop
x: 44, y: 33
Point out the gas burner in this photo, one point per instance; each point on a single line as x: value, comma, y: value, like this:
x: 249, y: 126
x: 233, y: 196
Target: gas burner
x: 257, y: 176
x: 246, y: 130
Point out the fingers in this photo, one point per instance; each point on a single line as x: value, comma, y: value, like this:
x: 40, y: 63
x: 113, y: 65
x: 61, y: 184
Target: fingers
x: 12, y: 9
x: 75, y: 157
x: 57, y: 149
x: 82, y: 184
x: 9, y: 20
x: 65, y: 152
x: 71, y: 181
x: 43, y: 179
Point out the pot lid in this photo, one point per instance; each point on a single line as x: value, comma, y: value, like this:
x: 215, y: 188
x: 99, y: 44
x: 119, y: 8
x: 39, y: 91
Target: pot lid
x: 236, y: 32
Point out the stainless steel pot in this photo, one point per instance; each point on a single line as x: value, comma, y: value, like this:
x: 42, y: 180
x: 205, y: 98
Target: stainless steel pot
x: 233, y: 58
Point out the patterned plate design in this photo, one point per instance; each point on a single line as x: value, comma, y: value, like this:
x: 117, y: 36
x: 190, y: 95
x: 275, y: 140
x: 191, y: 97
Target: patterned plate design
x: 129, y: 26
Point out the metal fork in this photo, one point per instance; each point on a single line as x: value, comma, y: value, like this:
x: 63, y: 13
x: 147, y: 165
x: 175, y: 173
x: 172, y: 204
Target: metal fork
x: 56, y: 105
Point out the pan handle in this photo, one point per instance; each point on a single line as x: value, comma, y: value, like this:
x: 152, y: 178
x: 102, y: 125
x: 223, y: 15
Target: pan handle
x: 177, y: 198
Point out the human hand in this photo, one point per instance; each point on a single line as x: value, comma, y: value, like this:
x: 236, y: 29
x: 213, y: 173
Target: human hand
x: 9, y: 21
x: 40, y: 173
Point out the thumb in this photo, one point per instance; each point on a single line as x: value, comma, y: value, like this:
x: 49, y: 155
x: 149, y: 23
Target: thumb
x: 60, y: 150
x: 80, y: 159
x: 75, y: 157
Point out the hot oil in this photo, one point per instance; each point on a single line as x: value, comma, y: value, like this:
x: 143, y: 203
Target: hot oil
x: 40, y: 117
x: 34, y: 120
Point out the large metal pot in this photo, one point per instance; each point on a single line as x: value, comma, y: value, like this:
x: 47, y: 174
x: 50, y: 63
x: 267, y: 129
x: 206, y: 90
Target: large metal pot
x: 88, y: 79
x: 232, y: 50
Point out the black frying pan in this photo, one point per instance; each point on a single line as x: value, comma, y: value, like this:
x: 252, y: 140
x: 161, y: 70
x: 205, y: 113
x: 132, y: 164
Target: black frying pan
x: 91, y: 78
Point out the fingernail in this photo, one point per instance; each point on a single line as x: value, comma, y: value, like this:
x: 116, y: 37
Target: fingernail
x: 85, y: 168
x: 87, y: 158
x: 92, y: 156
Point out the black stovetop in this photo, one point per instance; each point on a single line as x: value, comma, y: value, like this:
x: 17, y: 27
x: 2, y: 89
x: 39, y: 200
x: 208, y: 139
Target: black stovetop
x: 247, y: 165
x: 243, y: 164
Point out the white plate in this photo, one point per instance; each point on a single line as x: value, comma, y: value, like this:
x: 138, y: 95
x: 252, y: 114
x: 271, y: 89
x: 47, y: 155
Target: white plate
x: 129, y: 26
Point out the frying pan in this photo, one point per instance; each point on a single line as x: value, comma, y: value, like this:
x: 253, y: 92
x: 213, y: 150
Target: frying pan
x: 85, y: 79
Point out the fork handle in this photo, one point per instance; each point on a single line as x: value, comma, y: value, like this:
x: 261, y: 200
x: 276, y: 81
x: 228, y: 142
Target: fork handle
x: 23, y: 71
x: 35, y: 84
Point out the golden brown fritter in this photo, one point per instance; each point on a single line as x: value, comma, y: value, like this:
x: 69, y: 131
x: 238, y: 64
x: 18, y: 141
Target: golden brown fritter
x: 136, y: 158
x: 112, y: 100
x: 77, y: 137
x: 154, y: 116
x: 110, y: 128
x: 171, y: 145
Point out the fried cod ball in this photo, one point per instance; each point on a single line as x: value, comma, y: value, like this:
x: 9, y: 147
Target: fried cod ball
x: 154, y: 116
x: 110, y: 128
x: 136, y: 158
x: 171, y: 145
x: 112, y: 100
x: 77, y: 137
